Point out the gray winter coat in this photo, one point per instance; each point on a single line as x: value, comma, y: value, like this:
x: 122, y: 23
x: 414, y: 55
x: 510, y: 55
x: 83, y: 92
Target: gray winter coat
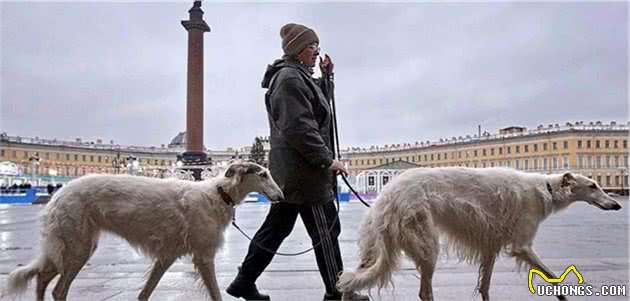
x: 301, y: 128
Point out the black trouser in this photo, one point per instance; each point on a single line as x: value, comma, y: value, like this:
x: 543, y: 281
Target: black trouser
x: 279, y: 223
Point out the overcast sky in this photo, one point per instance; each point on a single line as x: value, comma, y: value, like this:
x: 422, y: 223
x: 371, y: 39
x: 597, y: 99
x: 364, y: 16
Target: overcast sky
x: 404, y: 72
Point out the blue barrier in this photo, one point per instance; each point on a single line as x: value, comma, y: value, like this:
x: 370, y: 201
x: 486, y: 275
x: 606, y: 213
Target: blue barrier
x: 27, y: 196
x: 257, y: 197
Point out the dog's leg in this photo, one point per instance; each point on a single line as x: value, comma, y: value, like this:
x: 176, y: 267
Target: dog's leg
x: 528, y: 255
x: 73, y: 260
x: 423, y: 248
x: 205, y: 267
x: 159, y: 268
x: 43, y: 279
x: 485, y: 274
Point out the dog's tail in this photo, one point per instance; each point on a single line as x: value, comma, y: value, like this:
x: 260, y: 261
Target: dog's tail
x: 379, y: 258
x: 48, y: 258
x: 18, y: 280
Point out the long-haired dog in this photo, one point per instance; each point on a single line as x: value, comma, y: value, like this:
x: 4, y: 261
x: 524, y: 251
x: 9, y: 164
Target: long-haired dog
x: 163, y: 218
x: 480, y: 211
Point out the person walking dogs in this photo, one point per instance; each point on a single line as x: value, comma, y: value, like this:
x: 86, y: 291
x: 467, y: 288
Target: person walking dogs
x: 301, y: 162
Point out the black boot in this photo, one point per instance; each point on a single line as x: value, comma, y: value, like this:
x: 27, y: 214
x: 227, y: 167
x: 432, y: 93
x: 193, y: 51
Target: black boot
x: 241, y: 288
x: 353, y: 296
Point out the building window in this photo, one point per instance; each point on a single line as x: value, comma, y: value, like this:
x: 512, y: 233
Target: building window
x: 380, y: 161
x: 76, y: 158
x: 371, y: 181
x: 579, y: 143
x: 536, y: 147
x: 625, y: 144
x: 517, y: 164
x: 565, y: 162
x: 608, y: 181
x: 565, y: 144
x: 599, y: 180
x: 438, y: 156
x: 407, y: 158
x: 608, y: 162
x: 617, y: 161
x: 607, y: 144
x: 545, y: 146
x: 425, y: 158
x: 589, y: 161
x: 491, y: 163
x: 385, y: 180
x: 625, y: 161
x: 580, y: 161
x: 616, y: 180
x: 526, y: 164
x: 386, y: 160
x: 492, y: 151
x: 526, y: 148
x: 588, y: 143
x: 509, y: 149
x: 500, y: 150
x: 483, y: 152
x: 1, y: 153
x: 431, y: 157
x: 475, y: 153
x: 625, y: 180
x: 91, y: 158
x: 554, y: 163
x: 362, y: 161
x: 616, y: 144
x: 99, y: 159
x: 598, y: 162
x: 597, y: 145
x: 555, y: 145
x: 518, y: 149
x: 535, y: 164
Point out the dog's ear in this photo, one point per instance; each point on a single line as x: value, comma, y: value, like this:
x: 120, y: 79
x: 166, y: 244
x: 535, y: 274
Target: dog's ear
x: 241, y: 169
x: 235, y: 169
x: 568, y: 179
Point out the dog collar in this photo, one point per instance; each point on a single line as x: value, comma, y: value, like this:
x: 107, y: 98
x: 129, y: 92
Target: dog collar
x: 225, y: 197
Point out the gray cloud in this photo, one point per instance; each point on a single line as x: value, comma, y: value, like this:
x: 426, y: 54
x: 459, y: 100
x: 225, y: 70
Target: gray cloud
x: 404, y: 71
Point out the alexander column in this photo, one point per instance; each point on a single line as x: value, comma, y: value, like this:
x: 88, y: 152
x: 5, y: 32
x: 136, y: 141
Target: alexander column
x: 195, y: 155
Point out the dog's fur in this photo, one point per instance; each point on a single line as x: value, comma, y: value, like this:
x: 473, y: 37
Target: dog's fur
x: 163, y: 218
x: 480, y: 211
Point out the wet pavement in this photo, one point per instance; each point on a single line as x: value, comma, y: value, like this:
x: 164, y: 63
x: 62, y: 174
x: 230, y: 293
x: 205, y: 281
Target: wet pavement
x: 595, y: 241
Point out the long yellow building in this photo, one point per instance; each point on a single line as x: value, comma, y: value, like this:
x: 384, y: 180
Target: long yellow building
x: 596, y: 150
x: 57, y: 160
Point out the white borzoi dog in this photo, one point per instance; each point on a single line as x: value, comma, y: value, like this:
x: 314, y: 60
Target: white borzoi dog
x: 480, y: 211
x: 163, y: 218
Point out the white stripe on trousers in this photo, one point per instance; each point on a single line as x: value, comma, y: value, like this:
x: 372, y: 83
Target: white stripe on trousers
x: 324, y: 244
x: 330, y: 249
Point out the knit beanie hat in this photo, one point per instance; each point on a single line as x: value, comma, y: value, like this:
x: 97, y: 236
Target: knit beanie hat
x: 295, y: 37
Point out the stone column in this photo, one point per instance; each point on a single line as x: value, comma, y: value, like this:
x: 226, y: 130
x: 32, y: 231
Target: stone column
x: 195, y: 155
